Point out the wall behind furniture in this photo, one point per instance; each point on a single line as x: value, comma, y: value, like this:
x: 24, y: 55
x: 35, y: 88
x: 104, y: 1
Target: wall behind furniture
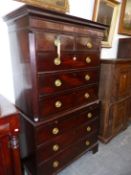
x: 81, y: 8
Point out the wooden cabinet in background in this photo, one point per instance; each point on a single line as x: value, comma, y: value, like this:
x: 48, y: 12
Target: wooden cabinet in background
x: 124, y: 48
x: 9, y: 146
x: 115, y: 95
x: 124, y: 51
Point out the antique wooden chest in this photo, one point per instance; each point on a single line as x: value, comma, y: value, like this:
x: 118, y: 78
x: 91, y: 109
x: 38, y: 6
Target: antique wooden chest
x: 56, y: 64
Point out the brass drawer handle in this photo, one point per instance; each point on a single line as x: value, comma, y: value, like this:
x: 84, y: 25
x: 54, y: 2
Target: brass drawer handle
x: 58, y: 104
x: 89, y: 115
x: 58, y: 83
x: 57, y: 43
x: 55, y: 164
x: 88, y: 129
x: 57, y: 61
x: 55, y: 131
x: 87, y: 77
x: 87, y: 143
x: 55, y: 147
x: 89, y: 45
x: 86, y: 95
x: 88, y: 60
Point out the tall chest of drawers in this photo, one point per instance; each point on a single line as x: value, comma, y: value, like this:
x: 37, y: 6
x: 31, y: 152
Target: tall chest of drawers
x: 56, y: 66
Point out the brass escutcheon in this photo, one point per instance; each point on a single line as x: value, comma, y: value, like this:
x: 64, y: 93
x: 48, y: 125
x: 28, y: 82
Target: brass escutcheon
x: 55, y: 164
x: 88, y: 128
x: 57, y: 61
x: 87, y: 143
x: 55, y: 131
x: 88, y: 59
x: 58, y: 104
x: 58, y: 83
x: 89, y: 45
x: 89, y: 115
x: 87, y: 77
x: 55, y: 147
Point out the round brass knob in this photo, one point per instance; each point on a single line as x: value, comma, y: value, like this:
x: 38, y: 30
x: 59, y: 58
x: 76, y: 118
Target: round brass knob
x: 87, y: 143
x: 89, y: 45
x: 87, y: 77
x: 58, y: 83
x: 55, y: 131
x: 88, y: 129
x: 58, y: 104
x: 55, y: 147
x: 86, y: 95
x: 57, y: 61
x: 55, y: 164
x: 89, y: 115
x: 88, y: 59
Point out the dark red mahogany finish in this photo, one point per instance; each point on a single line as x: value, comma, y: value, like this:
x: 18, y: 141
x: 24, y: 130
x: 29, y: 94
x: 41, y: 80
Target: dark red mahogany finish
x: 9, y: 146
x: 58, y: 98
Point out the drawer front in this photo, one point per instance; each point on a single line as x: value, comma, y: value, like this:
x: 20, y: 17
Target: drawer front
x: 48, y: 61
x: 87, y: 43
x: 54, y: 104
x: 55, y: 82
x: 60, y: 26
x: 66, y: 124
x: 66, y: 156
x: 46, y: 41
x: 59, y: 143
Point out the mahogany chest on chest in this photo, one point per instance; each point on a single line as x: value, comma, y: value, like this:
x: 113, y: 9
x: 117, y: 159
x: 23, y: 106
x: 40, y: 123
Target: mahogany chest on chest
x: 56, y: 64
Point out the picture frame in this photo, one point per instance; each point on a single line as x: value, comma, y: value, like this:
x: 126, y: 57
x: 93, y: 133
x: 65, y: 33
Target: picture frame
x: 125, y: 18
x: 57, y: 5
x: 106, y: 12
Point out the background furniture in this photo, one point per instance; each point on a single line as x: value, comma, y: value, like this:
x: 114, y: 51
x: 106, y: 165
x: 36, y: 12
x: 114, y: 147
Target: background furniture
x: 124, y: 48
x: 9, y: 146
x: 56, y: 66
x: 115, y: 95
x: 124, y: 51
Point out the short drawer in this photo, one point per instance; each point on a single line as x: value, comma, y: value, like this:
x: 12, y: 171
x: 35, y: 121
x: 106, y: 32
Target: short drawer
x: 67, y: 155
x: 60, y: 143
x: 61, y: 126
x: 47, y: 41
x: 50, y: 105
x: 48, y: 61
x: 49, y: 83
x: 87, y: 43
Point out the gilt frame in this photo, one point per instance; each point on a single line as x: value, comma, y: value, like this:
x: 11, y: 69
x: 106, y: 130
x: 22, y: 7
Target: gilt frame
x: 115, y: 5
x: 125, y: 18
x: 57, y: 5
